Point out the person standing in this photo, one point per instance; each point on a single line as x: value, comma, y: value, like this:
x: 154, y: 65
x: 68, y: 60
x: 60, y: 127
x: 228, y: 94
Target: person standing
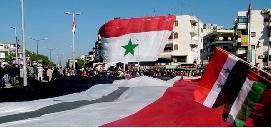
x: 49, y: 74
x: 13, y: 72
x: 21, y: 76
x: 2, y: 73
x: 40, y: 73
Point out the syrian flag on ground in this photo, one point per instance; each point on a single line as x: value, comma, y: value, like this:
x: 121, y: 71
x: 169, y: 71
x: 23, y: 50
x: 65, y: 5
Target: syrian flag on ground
x: 251, y: 92
x: 135, y: 39
x: 73, y: 24
x: 222, y: 79
x: 175, y: 107
x: 141, y: 101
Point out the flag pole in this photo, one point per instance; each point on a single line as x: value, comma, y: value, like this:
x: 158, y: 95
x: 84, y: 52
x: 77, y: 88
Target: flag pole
x: 138, y: 68
x: 249, y: 55
x: 252, y: 67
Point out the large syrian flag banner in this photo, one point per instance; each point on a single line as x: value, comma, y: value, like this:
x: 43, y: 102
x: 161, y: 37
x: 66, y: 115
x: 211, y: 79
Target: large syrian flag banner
x: 135, y: 39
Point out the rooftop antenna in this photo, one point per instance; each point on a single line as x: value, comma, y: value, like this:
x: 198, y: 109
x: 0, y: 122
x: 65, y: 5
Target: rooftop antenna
x: 154, y: 12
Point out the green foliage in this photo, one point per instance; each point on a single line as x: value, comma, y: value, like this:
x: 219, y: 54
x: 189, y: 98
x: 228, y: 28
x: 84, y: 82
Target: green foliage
x: 80, y: 63
x: 68, y: 64
x: 40, y: 58
x: 10, y: 57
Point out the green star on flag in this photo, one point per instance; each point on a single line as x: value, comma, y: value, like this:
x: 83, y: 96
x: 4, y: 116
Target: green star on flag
x: 219, y: 85
x: 227, y: 70
x: 129, y: 48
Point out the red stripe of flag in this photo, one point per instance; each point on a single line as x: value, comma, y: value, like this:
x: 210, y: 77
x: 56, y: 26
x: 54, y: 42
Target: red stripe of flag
x: 119, y: 27
x: 210, y: 76
x: 175, y: 108
x: 73, y: 25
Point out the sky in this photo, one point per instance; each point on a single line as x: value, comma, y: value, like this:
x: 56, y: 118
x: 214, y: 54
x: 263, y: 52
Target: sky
x: 46, y: 18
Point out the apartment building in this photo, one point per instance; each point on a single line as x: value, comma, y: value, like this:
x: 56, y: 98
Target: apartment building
x: 216, y: 36
x: 184, y: 44
x: 6, y: 49
x: 254, y: 33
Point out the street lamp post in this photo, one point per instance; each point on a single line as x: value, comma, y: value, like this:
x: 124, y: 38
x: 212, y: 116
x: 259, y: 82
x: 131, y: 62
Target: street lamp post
x: 16, y: 42
x: 73, y: 34
x: 23, y: 43
x: 50, y: 51
x: 38, y: 40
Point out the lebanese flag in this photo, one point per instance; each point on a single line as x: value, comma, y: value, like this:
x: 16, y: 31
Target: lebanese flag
x: 222, y: 79
x: 73, y: 25
x: 135, y: 39
x: 247, y: 100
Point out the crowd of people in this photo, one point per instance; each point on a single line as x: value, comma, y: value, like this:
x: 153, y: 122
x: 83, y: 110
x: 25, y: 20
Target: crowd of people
x: 13, y: 74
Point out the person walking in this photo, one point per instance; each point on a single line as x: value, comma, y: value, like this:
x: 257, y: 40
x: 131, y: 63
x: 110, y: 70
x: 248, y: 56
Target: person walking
x: 40, y: 73
x: 49, y: 74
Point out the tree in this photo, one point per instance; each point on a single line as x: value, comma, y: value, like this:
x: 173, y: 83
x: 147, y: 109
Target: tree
x: 40, y: 58
x: 10, y: 58
x: 80, y: 63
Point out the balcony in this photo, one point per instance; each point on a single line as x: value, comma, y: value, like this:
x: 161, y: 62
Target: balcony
x: 193, y: 33
x: 193, y: 21
x: 242, y: 26
x: 222, y: 42
x: 240, y: 51
x: 193, y: 44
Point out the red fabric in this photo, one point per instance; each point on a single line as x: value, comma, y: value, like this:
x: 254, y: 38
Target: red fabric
x: 119, y: 27
x: 261, y: 113
x: 211, y: 74
x: 73, y: 25
x: 175, y: 108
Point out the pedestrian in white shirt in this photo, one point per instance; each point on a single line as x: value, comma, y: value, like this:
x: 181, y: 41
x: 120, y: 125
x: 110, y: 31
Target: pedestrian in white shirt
x: 40, y: 73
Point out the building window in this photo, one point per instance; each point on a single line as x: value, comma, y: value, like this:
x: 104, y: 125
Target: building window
x: 175, y: 35
x: 242, y: 19
x: 175, y: 46
x: 171, y: 36
x: 266, y: 19
x: 168, y: 48
x: 253, y: 34
x: 176, y: 23
x: 180, y: 59
x: 252, y: 47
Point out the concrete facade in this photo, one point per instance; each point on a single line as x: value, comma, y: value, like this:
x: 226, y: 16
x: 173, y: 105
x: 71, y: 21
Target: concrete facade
x: 185, y: 42
x: 218, y: 37
x: 259, y: 36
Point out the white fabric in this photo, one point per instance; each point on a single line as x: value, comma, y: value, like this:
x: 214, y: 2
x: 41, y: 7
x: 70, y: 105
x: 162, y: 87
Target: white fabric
x: 239, y: 101
x: 142, y: 92
x: 213, y: 94
x: 150, y: 45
